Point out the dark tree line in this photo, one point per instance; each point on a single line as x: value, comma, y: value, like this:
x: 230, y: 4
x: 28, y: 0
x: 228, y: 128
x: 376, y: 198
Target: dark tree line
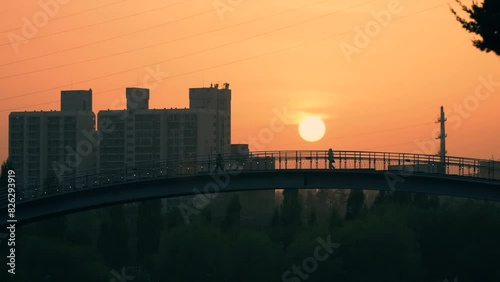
x: 401, y: 237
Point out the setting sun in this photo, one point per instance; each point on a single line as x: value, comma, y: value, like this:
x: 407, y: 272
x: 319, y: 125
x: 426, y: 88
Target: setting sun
x: 312, y: 129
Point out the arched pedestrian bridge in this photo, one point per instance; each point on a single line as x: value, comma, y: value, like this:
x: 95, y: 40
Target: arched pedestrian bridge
x: 456, y: 176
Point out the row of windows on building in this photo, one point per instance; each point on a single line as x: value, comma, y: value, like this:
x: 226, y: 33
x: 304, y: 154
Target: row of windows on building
x: 35, y: 128
x: 58, y: 127
x: 125, y: 116
x: 19, y: 120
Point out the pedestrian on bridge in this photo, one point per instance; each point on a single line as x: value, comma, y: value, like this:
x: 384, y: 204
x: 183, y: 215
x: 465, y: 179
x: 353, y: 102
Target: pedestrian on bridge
x: 218, y: 163
x: 331, y: 161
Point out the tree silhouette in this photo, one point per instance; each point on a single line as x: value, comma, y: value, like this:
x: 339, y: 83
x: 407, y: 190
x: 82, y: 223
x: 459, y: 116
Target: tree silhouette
x: 381, y: 198
x: 291, y: 208
x: 53, y: 227
x: 78, y: 237
x: 291, y: 221
x: 401, y: 198
x: 485, y: 22
x: 174, y: 218
x: 335, y: 220
x: 232, y: 220
x: 207, y: 215
x: 275, y: 219
x: 6, y: 166
x: 148, y: 229
x: 113, y: 238
x: 355, y: 204
x: 312, y: 218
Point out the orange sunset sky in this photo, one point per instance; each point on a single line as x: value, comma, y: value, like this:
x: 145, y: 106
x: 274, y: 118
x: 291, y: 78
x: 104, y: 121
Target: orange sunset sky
x: 276, y: 55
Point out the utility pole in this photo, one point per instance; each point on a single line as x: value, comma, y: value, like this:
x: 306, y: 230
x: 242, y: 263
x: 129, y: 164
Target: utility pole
x: 217, y: 116
x: 442, y: 147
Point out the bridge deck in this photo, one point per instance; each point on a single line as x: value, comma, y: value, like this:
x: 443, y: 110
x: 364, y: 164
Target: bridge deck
x: 406, y: 163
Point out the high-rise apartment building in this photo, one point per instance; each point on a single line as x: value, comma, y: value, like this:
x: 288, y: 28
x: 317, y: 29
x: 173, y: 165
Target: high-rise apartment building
x: 139, y: 134
x: 53, y: 143
x: 217, y: 101
x: 65, y: 144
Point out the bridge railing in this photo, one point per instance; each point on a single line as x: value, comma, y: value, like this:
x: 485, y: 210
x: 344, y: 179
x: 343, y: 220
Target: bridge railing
x: 258, y: 161
x: 378, y: 161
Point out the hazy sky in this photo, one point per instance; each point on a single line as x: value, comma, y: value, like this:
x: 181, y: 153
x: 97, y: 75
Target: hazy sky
x: 380, y: 91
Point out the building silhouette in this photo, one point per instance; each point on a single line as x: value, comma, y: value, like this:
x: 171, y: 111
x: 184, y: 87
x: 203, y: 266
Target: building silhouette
x: 65, y: 143
x: 138, y: 134
x: 61, y: 145
x: 216, y: 101
x: 52, y: 143
x: 489, y: 169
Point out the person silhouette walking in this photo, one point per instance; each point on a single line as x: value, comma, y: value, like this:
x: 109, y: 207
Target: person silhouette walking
x: 218, y: 163
x: 331, y: 161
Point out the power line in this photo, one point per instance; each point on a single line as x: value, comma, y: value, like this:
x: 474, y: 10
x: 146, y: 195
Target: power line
x: 203, y: 69
x: 104, y: 22
x: 34, y: 105
x: 366, y: 149
x: 367, y: 133
x: 109, y: 38
x: 385, y: 130
x: 22, y: 7
x: 398, y: 144
x: 166, y: 42
x: 195, y: 53
x: 127, y: 34
x: 70, y: 15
